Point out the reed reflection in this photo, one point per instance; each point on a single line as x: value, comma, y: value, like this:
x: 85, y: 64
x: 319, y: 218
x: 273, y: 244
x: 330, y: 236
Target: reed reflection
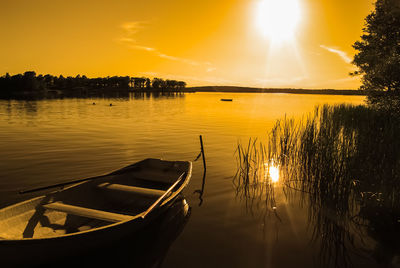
x: 343, y: 163
x: 256, y: 179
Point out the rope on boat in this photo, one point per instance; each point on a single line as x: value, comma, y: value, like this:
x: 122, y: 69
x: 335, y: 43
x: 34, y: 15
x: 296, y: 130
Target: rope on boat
x: 197, y: 158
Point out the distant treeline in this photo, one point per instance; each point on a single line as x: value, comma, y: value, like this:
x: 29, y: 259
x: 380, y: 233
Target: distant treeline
x: 31, y: 85
x: 235, y: 89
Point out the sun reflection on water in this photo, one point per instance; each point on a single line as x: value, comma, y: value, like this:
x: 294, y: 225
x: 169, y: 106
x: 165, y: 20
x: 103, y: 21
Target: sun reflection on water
x: 274, y: 173
x: 271, y: 172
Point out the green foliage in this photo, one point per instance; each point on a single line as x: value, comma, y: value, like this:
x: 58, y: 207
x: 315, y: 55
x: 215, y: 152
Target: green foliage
x: 378, y: 57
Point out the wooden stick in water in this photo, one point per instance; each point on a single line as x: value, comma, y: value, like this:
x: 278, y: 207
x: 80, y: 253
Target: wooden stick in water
x: 202, y: 152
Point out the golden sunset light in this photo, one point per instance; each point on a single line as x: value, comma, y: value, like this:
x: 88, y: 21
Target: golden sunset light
x: 272, y: 172
x: 278, y: 20
x: 258, y: 43
x: 200, y: 133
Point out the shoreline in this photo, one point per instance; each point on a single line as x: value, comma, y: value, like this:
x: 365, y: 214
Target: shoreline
x: 90, y: 93
x: 234, y: 89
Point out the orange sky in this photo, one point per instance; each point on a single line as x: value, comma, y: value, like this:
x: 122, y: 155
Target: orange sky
x: 207, y: 42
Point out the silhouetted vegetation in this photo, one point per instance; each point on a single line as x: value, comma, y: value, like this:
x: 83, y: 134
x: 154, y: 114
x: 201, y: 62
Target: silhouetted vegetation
x: 345, y: 162
x: 252, y: 180
x: 277, y: 90
x: 378, y: 57
x: 29, y: 85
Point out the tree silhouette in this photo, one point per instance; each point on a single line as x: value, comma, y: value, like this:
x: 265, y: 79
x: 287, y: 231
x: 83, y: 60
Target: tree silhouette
x: 29, y: 81
x: 157, y: 83
x: 31, y: 85
x: 378, y: 56
x: 148, y: 84
x: 138, y: 82
x: 181, y: 85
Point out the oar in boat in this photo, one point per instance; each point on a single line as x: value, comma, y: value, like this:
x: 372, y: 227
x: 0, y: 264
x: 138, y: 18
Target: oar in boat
x: 60, y: 184
x: 158, y: 201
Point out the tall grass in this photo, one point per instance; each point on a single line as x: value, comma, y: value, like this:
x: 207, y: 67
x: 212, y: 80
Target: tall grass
x: 345, y: 160
x: 251, y: 179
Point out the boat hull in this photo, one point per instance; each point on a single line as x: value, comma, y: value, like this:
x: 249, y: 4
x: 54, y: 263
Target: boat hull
x: 23, y: 252
x: 17, y: 252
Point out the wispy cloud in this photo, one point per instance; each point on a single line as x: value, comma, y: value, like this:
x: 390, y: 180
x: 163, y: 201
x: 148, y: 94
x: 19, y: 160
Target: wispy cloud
x: 183, y: 60
x: 340, y: 53
x: 132, y: 28
x: 139, y: 47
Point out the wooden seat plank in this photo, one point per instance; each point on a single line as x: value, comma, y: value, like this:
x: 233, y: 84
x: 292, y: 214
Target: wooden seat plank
x: 132, y: 189
x: 88, y: 212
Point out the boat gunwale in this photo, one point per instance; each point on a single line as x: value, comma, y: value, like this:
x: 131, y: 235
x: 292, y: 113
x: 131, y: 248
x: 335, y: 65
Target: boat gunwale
x: 188, y: 174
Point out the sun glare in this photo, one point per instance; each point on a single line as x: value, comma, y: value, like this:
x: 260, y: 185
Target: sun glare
x: 277, y: 19
x: 272, y: 172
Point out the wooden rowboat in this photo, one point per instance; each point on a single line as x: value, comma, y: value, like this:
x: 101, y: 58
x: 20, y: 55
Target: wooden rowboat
x: 96, y: 211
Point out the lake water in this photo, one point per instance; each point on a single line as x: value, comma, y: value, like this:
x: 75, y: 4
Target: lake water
x: 51, y: 141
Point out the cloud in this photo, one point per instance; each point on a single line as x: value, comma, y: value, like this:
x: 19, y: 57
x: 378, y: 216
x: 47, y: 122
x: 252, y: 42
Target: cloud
x: 173, y: 58
x: 133, y: 27
x: 127, y: 40
x: 340, y: 53
x: 130, y: 30
x: 138, y: 47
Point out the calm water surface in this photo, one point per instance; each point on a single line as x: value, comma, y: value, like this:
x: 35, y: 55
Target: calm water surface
x: 51, y: 141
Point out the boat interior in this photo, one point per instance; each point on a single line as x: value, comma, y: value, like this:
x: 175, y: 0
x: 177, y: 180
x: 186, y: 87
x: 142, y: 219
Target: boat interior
x: 120, y: 196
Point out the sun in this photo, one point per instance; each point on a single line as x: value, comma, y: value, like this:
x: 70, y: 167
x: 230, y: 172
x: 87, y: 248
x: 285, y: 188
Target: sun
x: 278, y: 19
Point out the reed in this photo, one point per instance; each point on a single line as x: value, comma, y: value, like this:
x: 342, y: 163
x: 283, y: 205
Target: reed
x: 252, y: 178
x: 345, y: 160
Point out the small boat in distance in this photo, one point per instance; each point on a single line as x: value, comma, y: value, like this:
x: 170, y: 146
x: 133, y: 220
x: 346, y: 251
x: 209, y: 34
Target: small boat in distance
x: 226, y: 99
x: 91, y: 213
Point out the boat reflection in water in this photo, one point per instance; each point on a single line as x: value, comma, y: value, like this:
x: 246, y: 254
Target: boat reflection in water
x: 146, y: 248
